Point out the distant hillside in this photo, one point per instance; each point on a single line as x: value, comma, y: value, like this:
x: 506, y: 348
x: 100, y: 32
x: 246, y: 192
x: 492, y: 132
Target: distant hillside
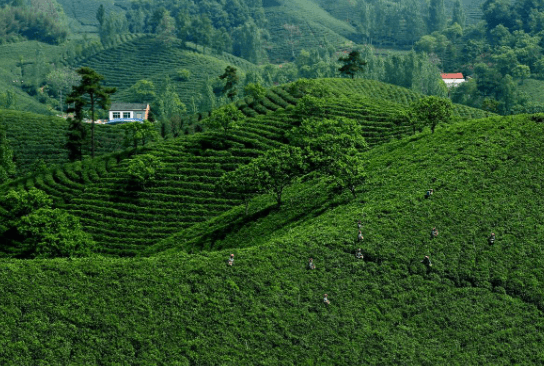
x: 183, y: 195
x: 146, y: 58
x: 477, y: 305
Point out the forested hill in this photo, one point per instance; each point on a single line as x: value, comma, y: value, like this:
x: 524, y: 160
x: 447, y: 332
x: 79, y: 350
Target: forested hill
x: 478, y: 303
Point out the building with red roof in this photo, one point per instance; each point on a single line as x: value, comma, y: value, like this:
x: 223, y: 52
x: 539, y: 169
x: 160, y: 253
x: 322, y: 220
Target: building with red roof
x: 453, y: 79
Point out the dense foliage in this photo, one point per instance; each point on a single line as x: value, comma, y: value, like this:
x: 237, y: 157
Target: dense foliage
x: 22, y: 23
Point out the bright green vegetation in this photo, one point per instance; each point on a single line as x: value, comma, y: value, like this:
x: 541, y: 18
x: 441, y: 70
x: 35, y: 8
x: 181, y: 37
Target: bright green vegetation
x: 145, y: 58
x: 100, y: 192
x: 35, y: 137
x: 478, y: 304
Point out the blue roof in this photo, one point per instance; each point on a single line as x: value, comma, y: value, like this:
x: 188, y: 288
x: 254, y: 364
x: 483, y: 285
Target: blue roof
x: 117, y: 121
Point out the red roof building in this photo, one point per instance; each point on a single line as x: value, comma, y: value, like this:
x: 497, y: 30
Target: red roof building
x: 453, y: 79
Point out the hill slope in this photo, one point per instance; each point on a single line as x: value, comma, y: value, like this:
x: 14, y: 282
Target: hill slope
x: 34, y: 137
x: 479, y: 304
x: 183, y: 194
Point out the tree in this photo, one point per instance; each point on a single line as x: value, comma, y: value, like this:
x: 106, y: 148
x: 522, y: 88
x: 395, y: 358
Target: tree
x: 226, y: 118
x: 142, y: 91
x: 61, y: 82
x: 77, y: 137
x: 7, y: 166
x: 348, y: 172
x: 243, y: 182
x: 521, y: 72
x: 136, y: 133
x: 143, y: 169
x: 231, y: 80
x: 437, y: 16
x: 53, y: 233
x: 277, y: 169
x: 433, y: 110
x: 353, y: 64
x: 255, y: 90
x: 325, y: 141
x: 97, y: 94
x: 37, y: 230
x: 458, y: 16
x: 101, y: 15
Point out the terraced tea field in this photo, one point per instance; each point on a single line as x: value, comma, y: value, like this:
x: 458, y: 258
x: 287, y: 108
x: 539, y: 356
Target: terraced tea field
x: 33, y: 137
x: 126, y: 220
x: 144, y: 58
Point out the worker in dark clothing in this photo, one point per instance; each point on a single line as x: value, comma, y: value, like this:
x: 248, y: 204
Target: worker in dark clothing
x: 230, y: 261
x: 359, y: 254
x: 427, y: 261
x: 311, y: 264
x: 429, y: 193
x: 360, y: 236
x: 434, y: 233
x: 491, y: 239
x: 359, y: 225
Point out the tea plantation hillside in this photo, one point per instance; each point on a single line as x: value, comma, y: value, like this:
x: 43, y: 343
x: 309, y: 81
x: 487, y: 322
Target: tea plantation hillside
x: 146, y: 57
x: 35, y: 137
x: 118, y: 215
x: 478, y: 304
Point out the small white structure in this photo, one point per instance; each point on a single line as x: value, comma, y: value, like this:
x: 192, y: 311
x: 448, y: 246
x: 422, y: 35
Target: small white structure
x: 128, y: 112
x: 453, y: 80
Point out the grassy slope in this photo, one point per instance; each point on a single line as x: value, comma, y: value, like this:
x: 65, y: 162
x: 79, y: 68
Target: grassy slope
x: 183, y: 195
x: 146, y: 58
x: 479, y: 304
x: 34, y: 136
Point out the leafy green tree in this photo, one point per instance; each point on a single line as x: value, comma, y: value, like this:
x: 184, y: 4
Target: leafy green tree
x: 324, y: 141
x: 142, y: 91
x: 89, y: 91
x: 139, y: 133
x: 277, y: 169
x: 433, y: 110
x: 255, y: 90
x: 521, y: 72
x: 243, y: 182
x: 61, y: 82
x: 231, y: 79
x: 7, y: 166
x: 226, y: 118
x: 353, y: 64
x: 498, y: 12
x: 143, y: 169
x: 53, y: 233
x: 36, y: 230
x: 348, y: 172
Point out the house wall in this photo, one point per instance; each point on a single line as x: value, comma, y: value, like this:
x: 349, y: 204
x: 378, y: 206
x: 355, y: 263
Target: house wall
x: 453, y: 82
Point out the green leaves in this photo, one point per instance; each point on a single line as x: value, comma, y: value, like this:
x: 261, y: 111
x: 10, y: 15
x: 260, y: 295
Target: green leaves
x: 433, y: 110
x: 226, y: 118
x: 143, y: 169
x: 232, y: 79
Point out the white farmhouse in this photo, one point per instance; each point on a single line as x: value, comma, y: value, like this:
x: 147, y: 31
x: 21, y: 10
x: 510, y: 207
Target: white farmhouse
x: 453, y: 80
x: 128, y: 112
